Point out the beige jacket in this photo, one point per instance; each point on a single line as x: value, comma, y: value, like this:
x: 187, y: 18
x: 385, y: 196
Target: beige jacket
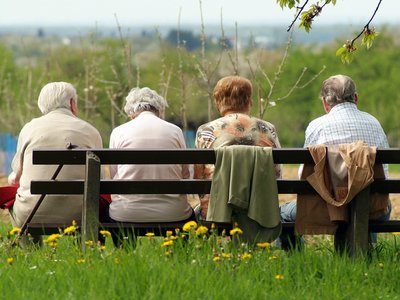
x: 53, y: 130
x: 340, y: 172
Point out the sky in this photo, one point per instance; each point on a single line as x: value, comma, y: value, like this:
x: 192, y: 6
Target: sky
x: 166, y: 12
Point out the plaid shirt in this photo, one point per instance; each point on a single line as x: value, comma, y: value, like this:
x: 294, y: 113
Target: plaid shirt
x: 346, y: 124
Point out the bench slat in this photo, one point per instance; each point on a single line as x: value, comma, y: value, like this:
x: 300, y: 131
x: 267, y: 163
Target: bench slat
x: 187, y: 156
x: 150, y: 156
x: 188, y: 186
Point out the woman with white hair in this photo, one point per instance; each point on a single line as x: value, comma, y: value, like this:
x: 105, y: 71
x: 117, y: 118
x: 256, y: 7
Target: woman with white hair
x: 147, y: 130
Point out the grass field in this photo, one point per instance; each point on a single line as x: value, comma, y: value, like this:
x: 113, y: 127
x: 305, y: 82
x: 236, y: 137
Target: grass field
x: 203, y: 267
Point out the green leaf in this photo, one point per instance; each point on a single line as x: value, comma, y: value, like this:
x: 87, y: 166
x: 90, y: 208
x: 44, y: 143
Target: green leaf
x: 369, y: 37
x: 341, y: 51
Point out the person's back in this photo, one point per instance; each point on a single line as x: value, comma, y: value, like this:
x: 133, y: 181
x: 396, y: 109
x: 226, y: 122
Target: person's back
x: 345, y: 124
x: 147, y: 130
x: 58, y: 127
x: 232, y: 96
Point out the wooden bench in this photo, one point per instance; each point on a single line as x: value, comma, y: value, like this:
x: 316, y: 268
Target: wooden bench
x: 354, y: 237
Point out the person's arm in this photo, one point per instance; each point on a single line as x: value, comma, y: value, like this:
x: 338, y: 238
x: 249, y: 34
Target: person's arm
x: 18, y: 161
x: 182, y: 145
x: 112, y: 145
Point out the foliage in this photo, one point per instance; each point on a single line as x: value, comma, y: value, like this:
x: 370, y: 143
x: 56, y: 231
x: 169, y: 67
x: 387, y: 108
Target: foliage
x: 307, y: 16
x: 98, y: 67
x: 375, y: 75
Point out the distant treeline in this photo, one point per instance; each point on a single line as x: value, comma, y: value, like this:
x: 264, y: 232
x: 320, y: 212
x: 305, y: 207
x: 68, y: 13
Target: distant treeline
x: 105, y: 69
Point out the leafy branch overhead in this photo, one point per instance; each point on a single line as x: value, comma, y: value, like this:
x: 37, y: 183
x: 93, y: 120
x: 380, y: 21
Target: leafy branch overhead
x: 307, y: 12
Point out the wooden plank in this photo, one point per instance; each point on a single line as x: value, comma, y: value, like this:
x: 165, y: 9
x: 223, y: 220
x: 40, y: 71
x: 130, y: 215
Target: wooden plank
x: 190, y: 186
x: 151, y: 156
x: 357, y: 235
x: 186, y: 186
x: 189, y: 156
x: 90, y: 209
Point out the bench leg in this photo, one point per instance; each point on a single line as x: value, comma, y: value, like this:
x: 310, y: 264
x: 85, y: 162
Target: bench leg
x: 90, y: 209
x: 353, y: 237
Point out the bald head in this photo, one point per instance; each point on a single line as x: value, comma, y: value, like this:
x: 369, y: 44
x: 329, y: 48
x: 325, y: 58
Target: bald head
x: 338, y: 89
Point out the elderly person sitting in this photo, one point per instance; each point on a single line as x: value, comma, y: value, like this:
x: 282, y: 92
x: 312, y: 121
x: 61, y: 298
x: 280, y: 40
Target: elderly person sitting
x: 232, y: 96
x: 58, y: 127
x: 146, y: 130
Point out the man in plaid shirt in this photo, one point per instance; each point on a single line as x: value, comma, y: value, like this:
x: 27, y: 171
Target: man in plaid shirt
x: 342, y: 123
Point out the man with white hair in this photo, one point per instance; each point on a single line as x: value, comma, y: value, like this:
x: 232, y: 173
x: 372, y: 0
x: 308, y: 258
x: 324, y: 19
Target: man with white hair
x: 343, y: 123
x: 147, y: 130
x: 58, y: 127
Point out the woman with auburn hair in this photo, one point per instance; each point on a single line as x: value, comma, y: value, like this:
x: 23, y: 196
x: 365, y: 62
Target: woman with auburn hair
x: 232, y: 95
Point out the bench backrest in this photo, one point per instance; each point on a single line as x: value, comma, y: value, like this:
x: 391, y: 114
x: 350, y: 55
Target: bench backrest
x: 188, y: 156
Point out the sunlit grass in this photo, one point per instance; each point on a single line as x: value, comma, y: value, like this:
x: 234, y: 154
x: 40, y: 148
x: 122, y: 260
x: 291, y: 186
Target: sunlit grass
x: 194, y: 264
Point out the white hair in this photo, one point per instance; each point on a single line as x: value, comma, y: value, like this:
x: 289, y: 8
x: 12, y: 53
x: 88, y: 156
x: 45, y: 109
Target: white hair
x: 338, y: 89
x: 144, y: 99
x: 56, y: 95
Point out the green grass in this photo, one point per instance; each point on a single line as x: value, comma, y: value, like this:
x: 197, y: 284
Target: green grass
x: 394, y: 168
x: 190, y: 270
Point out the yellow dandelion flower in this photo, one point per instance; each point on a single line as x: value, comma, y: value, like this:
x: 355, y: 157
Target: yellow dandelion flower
x: 103, y: 248
x: 227, y: 255
x: 235, y: 231
x: 15, y: 231
x: 396, y: 233
x: 167, y: 243
x: 173, y: 237
x: 201, y: 230
x: 263, y: 245
x: 279, y: 277
x: 246, y: 256
x: 191, y: 225
x: 105, y: 233
x: 169, y: 232
x: 150, y: 234
x: 52, y: 238
x: 53, y: 244
x: 216, y: 258
x: 89, y: 243
x: 272, y: 257
x: 80, y: 261
x: 70, y: 230
x: 10, y: 260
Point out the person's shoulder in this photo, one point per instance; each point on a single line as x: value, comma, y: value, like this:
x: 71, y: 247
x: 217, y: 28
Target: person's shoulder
x: 262, y: 122
x: 369, y: 116
x: 88, y: 125
x: 211, y: 124
x: 169, y: 125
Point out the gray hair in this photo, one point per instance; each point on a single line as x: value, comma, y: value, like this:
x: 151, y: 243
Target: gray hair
x: 338, y: 89
x: 144, y: 99
x: 56, y: 95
